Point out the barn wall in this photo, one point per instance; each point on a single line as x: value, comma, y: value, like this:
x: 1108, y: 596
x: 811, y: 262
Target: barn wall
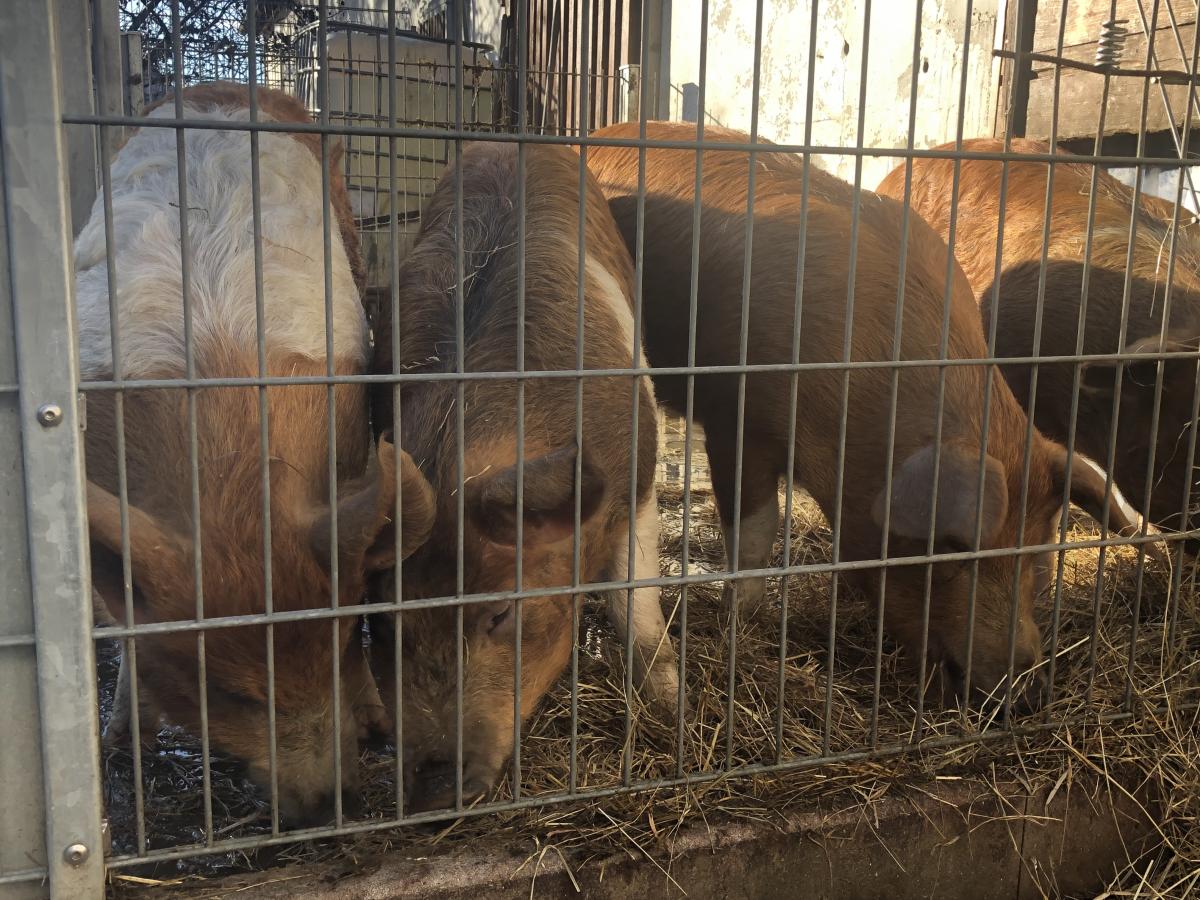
x: 839, y: 49
x: 1080, y: 92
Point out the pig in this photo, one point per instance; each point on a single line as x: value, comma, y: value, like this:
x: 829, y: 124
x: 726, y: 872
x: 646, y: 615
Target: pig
x: 556, y: 468
x: 227, y: 512
x: 667, y: 241
x: 1164, y: 488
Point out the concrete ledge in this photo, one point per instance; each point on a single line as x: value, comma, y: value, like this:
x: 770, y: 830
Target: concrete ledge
x: 954, y: 839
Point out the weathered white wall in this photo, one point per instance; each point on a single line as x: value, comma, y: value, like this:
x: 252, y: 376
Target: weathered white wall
x: 1162, y: 183
x: 486, y: 16
x: 483, y: 16
x: 785, y: 54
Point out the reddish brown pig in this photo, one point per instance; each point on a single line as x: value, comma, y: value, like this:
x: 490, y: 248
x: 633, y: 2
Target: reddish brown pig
x: 670, y: 181
x: 1166, y: 485
x: 224, y: 509
x: 618, y: 422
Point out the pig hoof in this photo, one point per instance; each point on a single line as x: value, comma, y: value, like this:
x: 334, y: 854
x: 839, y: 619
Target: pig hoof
x: 114, y: 734
x: 749, y: 601
x: 661, y: 691
x: 116, y: 729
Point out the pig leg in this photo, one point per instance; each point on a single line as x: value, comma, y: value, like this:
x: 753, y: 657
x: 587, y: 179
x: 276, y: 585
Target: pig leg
x: 654, y: 663
x: 382, y: 653
x: 369, y: 712
x: 117, y: 727
x: 759, y: 520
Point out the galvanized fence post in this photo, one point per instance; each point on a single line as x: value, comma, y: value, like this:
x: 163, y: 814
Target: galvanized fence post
x: 107, y: 64
x: 22, y: 837
x: 41, y: 283
x: 77, y: 96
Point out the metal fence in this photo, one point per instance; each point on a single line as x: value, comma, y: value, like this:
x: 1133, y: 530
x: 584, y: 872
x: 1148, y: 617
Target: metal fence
x: 64, y: 824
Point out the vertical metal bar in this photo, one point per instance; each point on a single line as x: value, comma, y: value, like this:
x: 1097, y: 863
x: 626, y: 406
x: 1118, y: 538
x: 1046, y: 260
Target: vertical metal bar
x: 580, y: 300
x: 1188, y: 517
x: 743, y: 352
x: 847, y: 338
x: 1031, y: 404
x: 75, y: 86
x: 689, y: 402
x: 1150, y: 30
x: 185, y: 268
x: 397, y: 431
x: 1173, y: 609
x: 993, y: 324
x: 129, y: 646
x: 106, y: 58
x: 631, y: 547
x: 926, y: 600
x: 331, y: 403
x: 1076, y: 369
x: 23, y: 813
x: 264, y: 425
x: 459, y: 397
x: 794, y: 376
x: 894, y: 391
x: 37, y: 226
x: 1033, y: 382
x: 972, y: 593
x: 518, y: 571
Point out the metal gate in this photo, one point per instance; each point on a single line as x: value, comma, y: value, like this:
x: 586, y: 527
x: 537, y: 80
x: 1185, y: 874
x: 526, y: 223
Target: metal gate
x: 579, y: 65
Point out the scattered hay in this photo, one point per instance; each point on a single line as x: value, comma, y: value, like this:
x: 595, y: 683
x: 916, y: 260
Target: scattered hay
x: 1158, y: 749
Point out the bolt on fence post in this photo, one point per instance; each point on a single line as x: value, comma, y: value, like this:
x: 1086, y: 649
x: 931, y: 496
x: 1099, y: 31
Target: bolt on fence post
x: 41, y: 277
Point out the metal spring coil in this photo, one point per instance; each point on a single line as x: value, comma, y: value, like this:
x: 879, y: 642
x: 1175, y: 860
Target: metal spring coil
x: 1113, y: 34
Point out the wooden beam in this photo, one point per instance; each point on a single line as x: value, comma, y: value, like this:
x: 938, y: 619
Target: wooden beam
x: 1078, y: 112
x: 1084, y: 19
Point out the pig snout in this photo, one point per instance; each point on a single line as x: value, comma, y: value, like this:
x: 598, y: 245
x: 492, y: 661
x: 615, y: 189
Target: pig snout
x: 989, y: 677
x: 306, y: 774
x: 306, y: 799
x: 431, y: 784
x: 312, y: 810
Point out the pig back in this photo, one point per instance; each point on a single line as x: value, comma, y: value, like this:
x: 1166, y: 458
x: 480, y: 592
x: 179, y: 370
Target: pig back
x: 828, y: 293
x: 1060, y: 222
x: 1038, y: 310
x: 497, y: 316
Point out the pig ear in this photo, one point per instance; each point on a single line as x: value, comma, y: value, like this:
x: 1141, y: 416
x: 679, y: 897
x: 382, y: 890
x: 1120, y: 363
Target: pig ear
x: 152, y: 549
x: 957, y: 497
x: 548, y: 498
x: 1099, y: 377
x: 418, y: 509
x: 365, y: 509
x: 1087, y: 492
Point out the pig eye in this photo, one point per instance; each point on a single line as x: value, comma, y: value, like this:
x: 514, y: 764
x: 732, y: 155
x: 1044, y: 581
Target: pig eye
x: 953, y: 545
x: 500, y: 620
x: 235, y: 700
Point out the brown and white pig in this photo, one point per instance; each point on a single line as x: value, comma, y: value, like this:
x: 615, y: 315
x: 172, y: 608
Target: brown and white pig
x: 670, y: 183
x: 555, y: 468
x: 162, y: 513
x: 1171, y: 480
